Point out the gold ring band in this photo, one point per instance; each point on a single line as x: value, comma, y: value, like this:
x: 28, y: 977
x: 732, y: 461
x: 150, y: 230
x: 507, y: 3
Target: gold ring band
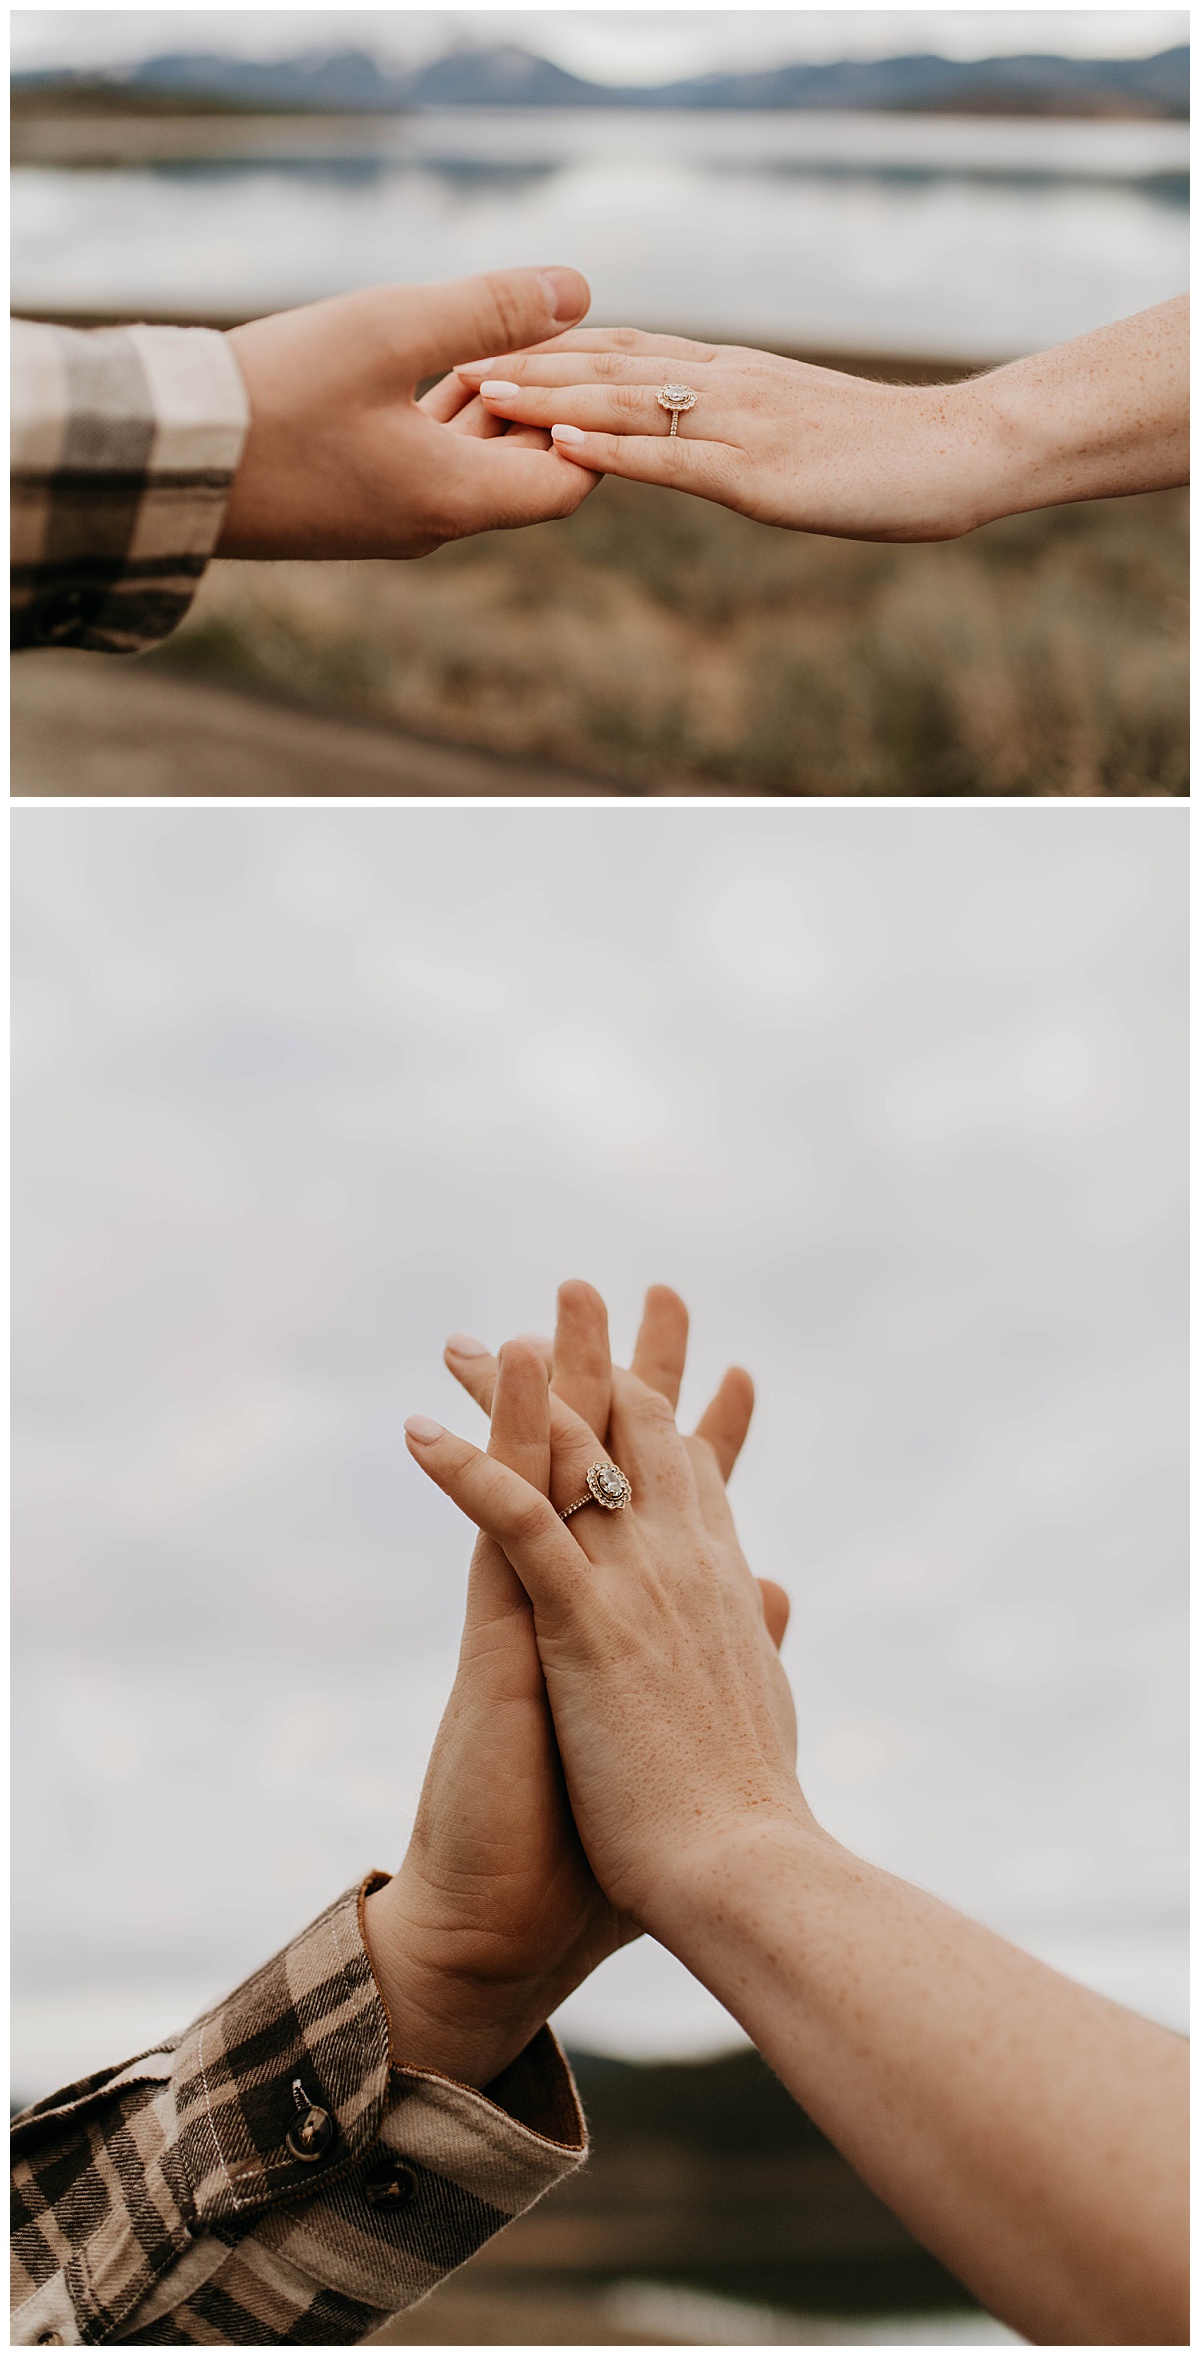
x: 678, y: 398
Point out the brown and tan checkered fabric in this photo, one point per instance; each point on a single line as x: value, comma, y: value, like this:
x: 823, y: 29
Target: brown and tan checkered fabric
x: 125, y: 441
x: 161, y: 2203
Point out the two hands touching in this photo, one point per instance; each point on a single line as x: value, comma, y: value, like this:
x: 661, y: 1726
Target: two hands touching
x: 343, y: 460
x: 618, y: 1755
x: 565, y: 1791
x: 345, y: 457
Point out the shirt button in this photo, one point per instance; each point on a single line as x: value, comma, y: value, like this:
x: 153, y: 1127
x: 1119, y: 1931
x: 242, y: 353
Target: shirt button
x: 309, y: 2136
x: 390, y: 2186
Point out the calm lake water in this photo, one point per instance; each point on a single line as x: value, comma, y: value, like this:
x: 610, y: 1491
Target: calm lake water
x: 950, y: 237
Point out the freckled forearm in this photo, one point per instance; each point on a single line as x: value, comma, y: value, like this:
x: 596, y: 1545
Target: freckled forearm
x: 1030, y: 2133
x: 1098, y: 418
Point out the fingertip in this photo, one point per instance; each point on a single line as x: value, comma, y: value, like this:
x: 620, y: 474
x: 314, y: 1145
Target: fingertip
x: 777, y: 1609
x: 421, y: 1431
x: 664, y: 1296
x: 465, y: 1345
x: 575, y: 1293
x: 522, y: 1352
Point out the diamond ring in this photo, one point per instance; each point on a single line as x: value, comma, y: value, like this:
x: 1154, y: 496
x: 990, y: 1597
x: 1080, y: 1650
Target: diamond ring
x: 607, y: 1486
x: 677, y: 398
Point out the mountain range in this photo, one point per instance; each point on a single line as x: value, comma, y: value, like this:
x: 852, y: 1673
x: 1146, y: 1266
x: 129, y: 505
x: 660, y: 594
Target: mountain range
x: 353, y: 81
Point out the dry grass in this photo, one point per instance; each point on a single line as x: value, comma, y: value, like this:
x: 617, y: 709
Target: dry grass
x: 658, y: 641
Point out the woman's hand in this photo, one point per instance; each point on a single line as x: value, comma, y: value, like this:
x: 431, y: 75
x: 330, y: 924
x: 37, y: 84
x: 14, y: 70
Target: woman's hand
x: 495, y: 1915
x: 673, y: 1716
x: 1030, y: 2133
x: 822, y: 452
x: 341, y: 460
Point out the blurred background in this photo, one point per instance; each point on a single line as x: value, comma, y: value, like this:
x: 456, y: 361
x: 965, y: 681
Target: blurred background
x: 899, y: 1107
x: 901, y: 193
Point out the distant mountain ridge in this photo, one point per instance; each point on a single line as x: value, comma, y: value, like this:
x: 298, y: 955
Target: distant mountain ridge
x: 352, y: 81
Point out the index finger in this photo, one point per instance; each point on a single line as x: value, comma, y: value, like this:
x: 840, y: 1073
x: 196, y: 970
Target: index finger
x: 633, y: 340
x: 488, y: 486
x: 562, y: 367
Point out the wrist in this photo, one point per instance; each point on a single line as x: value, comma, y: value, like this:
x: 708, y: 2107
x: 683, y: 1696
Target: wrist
x: 717, y: 1878
x: 444, y: 2015
x: 758, y: 1904
x: 927, y: 463
x: 1024, y: 449
x: 958, y: 461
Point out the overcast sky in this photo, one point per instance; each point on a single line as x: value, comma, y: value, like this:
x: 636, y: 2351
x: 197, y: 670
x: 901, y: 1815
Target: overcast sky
x: 611, y: 44
x: 895, y: 1098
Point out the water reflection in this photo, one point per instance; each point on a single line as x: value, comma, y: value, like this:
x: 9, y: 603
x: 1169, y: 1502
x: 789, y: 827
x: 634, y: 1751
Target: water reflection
x: 936, y: 237
x: 1170, y: 187
x: 473, y: 179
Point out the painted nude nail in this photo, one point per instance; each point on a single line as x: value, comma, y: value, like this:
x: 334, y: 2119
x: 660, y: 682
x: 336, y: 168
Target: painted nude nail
x: 464, y: 1345
x: 566, y: 433
x: 497, y: 388
x: 422, y: 1428
x: 474, y: 367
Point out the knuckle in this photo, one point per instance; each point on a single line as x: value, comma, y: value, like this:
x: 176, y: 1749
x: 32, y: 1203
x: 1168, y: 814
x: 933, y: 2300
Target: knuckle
x: 676, y: 461
x: 509, y: 306
x: 722, y: 471
x: 529, y: 1519
x: 630, y: 401
x: 654, y: 1409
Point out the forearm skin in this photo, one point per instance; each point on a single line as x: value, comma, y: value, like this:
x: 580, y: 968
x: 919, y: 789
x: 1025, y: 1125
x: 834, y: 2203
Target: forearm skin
x: 1097, y: 418
x: 1030, y: 2133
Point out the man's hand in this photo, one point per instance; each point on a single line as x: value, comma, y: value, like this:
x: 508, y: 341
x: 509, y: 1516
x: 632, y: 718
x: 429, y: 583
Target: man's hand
x: 495, y: 1915
x: 341, y: 460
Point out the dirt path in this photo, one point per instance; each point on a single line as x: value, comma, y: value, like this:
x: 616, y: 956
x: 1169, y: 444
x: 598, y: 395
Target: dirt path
x: 99, y: 724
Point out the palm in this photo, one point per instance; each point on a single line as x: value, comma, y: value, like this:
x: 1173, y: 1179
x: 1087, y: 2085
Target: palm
x: 495, y: 1830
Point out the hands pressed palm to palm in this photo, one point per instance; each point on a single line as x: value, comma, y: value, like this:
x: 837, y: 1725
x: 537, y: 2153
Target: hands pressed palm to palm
x: 508, y: 1913
x: 618, y: 1755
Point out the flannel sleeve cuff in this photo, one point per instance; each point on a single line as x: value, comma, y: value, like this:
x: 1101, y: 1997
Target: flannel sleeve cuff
x: 407, y: 2174
x: 272, y: 2177
x: 125, y: 443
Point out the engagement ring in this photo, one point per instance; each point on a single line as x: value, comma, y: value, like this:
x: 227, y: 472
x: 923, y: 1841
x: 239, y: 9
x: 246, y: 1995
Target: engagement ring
x: 607, y: 1486
x: 677, y: 398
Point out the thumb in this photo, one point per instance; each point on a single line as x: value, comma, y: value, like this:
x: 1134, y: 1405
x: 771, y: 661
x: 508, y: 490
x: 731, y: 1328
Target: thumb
x: 481, y: 318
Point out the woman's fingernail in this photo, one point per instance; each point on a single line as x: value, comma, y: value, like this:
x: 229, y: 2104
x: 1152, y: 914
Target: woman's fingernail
x: 497, y: 388
x: 566, y: 433
x: 474, y: 367
x: 421, y: 1427
x: 464, y: 1345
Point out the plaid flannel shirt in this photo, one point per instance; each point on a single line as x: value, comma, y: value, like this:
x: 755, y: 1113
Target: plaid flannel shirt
x: 271, y: 2176
x: 125, y: 442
